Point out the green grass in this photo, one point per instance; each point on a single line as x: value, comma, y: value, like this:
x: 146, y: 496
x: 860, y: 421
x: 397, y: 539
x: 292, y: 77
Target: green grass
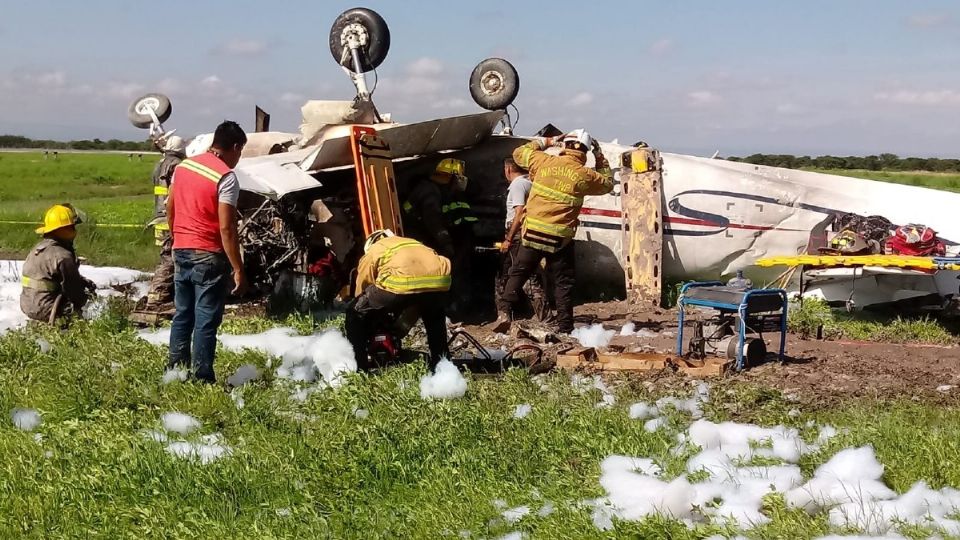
x: 107, y: 188
x: 932, y: 180
x: 864, y: 326
x: 413, y: 469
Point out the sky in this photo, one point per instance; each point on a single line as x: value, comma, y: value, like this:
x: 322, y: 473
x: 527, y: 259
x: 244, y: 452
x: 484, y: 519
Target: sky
x: 737, y: 77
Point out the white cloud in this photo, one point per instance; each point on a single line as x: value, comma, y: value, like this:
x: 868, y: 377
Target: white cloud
x: 425, y: 67
x: 291, y: 98
x: 124, y: 90
x: 788, y: 109
x: 661, y: 46
x: 170, y: 86
x: 928, y: 20
x: 920, y: 97
x: 211, y: 81
x: 241, y: 47
x: 581, y: 100
x: 703, y: 97
x: 453, y: 103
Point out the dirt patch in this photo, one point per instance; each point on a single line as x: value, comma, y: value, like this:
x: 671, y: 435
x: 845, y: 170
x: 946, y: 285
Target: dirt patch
x: 817, y: 374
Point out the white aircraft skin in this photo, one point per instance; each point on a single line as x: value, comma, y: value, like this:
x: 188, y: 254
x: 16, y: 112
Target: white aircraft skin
x: 718, y: 216
x: 721, y: 216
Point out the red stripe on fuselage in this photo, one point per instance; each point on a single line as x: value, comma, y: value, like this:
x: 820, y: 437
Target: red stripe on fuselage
x: 686, y: 221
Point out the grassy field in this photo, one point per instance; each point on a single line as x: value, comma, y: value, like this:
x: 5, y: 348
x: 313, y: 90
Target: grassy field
x: 932, y: 180
x: 314, y: 468
x: 411, y: 469
x: 108, y: 188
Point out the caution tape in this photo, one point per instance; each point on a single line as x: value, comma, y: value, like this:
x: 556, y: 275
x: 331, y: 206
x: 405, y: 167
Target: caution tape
x: 896, y: 261
x: 105, y: 225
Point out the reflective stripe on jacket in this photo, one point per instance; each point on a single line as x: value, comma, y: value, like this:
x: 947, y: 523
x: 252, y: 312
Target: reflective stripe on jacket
x: 559, y: 186
x: 403, y: 266
x: 196, y: 203
x: 51, y: 270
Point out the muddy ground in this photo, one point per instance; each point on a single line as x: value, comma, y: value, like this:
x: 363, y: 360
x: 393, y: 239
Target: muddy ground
x: 816, y: 374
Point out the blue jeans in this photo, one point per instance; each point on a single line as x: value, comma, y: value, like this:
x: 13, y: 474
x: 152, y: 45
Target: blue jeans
x: 200, y: 295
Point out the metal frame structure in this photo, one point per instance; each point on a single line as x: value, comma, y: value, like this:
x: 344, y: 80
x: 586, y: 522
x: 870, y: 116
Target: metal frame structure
x: 742, y: 310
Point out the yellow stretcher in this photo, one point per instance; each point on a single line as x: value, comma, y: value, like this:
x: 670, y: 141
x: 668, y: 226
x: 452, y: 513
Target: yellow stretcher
x: 896, y: 261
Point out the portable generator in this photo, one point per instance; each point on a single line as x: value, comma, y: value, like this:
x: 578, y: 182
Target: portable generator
x: 736, y: 330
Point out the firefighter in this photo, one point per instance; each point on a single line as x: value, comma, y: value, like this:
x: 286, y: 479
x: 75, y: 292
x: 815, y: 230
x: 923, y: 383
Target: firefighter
x: 394, y: 275
x: 161, y: 286
x: 552, y: 210
x: 52, y: 284
x: 438, y: 214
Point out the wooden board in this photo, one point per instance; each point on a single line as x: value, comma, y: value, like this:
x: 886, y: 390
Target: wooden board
x: 642, y: 226
x: 589, y: 359
x: 376, y: 184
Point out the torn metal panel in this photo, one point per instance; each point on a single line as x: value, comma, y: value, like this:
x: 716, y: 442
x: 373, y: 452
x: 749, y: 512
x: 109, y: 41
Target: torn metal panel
x: 266, y: 143
x: 406, y: 140
x: 272, y: 178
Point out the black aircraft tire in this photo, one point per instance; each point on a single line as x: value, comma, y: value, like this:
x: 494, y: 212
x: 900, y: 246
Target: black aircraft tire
x: 378, y: 38
x: 494, y: 84
x: 161, y: 107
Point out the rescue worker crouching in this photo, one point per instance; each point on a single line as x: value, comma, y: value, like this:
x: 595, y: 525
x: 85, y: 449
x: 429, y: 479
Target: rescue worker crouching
x: 160, y: 294
x: 552, y: 214
x: 437, y: 213
x: 52, y: 284
x: 396, y: 274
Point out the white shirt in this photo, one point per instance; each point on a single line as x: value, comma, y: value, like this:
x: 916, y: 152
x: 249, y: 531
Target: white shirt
x: 228, y: 189
x: 517, y: 195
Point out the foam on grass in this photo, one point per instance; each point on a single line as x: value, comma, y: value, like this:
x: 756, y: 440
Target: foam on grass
x: 204, y: 452
x: 643, y: 411
x: 174, y: 375
x: 593, y: 336
x: 326, y: 354
x: 514, y: 515
x: 178, y: 422
x: 445, y: 383
x: 25, y: 419
x: 244, y: 374
x: 522, y: 410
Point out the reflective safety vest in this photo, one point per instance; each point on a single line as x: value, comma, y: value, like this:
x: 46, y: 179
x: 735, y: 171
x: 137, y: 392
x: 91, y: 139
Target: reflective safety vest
x: 556, y: 196
x: 196, y: 204
x: 403, y: 266
x: 39, y: 284
x: 458, y: 213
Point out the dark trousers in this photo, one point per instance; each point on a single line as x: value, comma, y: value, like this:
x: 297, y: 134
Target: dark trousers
x: 200, y: 295
x: 161, y: 285
x: 560, y: 269
x: 376, y: 308
x: 533, y: 289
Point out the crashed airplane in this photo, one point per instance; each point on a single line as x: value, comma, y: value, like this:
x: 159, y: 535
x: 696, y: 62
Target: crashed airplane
x: 317, y: 192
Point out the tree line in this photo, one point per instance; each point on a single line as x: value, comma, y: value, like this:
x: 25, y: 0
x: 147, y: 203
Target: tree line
x: 18, y: 141
x: 883, y: 162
